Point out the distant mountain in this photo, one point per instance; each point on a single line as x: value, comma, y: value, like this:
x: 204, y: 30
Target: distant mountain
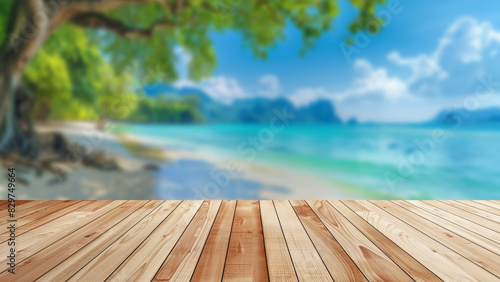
x: 253, y: 110
x: 153, y: 90
x: 352, y: 121
x: 481, y: 116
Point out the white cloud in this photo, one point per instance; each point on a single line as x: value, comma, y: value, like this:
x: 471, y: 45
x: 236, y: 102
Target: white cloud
x: 373, y: 83
x: 223, y: 89
x: 467, y: 40
x: 269, y: 86
x: 467, y: 50
x: 304, y: 96
x: 422, y: 66
x: 370, y: 84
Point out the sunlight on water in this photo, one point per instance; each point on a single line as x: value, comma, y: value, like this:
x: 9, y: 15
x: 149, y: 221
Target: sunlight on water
x: 402, y: 161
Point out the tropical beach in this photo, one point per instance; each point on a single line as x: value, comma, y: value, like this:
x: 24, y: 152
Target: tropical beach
x: 250, y: 100
x: 183, y: 173
x: 202, y: 161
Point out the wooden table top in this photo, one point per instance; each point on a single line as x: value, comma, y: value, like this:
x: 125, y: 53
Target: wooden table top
x: 253, y: 240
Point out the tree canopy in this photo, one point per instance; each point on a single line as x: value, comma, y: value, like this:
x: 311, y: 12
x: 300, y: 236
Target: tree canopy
x: 89, y: 61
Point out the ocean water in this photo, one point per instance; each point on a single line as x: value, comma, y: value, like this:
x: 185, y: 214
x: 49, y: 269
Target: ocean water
x: 369, y: 161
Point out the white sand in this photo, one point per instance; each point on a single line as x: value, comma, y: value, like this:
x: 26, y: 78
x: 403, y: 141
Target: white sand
x: 87, y: 183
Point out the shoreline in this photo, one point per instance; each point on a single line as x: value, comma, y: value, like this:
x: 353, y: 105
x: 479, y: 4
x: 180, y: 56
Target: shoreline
x: 175, y: 179
x: 300, y: 184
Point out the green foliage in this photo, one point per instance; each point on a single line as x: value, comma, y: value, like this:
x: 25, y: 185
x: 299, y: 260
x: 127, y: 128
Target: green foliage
x: 262, y: 24
x: 367, y: 14
x: 164, y: 110
x: 81, y: 74
x: 48, y: 77
x: 73, y: 81
x: 4, y: 18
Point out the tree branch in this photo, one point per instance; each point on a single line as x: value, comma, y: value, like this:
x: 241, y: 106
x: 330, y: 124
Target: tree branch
x: 68, y: 9
x: 98, y: 20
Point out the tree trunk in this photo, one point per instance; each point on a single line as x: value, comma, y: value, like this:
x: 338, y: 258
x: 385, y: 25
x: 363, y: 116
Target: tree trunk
x: 31, y: 23
x: 27, y: 30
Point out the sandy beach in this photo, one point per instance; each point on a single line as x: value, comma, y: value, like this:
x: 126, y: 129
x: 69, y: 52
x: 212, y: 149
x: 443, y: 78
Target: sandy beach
x: 184, y: 174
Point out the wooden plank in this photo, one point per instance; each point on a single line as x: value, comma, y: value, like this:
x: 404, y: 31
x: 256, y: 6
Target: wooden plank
x: 78, y: 260
x: 472, y: 226
x: 444, y: 262
x: 308, y: 263
x: 492, y: 203
x: 489, y: 204
x: 33, y: 209
x: 279, y: 262
x: 457, y: 229
x: 20, y: 208
x: 27, y: 218
x: 107, y: 261
x: 495, y: 226
x: 473, y: 210
x: 4, y: 204
x: 482, y: 207
x: 210, y: 267
x: 43, y: 220
x: 339, y: 264
x: 375, y: 264
x: 36, y: 265
x: 181, y: 262
x: 145, y: 261
x: 46, y: 235
x: 406, y: 262
x: 139, y: 240
x: 480, y: 256
x: 246, y: 259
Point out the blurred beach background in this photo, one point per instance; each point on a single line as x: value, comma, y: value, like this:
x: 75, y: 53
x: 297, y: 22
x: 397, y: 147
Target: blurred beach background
x: 411, y: 111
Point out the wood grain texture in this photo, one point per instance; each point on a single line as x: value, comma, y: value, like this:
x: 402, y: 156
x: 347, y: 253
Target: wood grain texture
x: 45, y: 219
x: 308, y: 263
x: 375, y: 264
x: 406, y: 262
x: 442, y: 261
x: 476, y: 211
x: 478, y: 255
x: 279, y: 263
x: 48, y: 234
x: 210, y: 267
x: 36, y: 265
x: 39, y: 214
x: 145, y: 261
x: 472, y: 226
x: 4, y: 204
x: 24, y: 212
x: 21, y: 207
x: 246, y: 259
x: 490, y: 204
x: 457, y: 229
x: 493, y: 204
x: 78, y: 260
x: 255, y: 241
x: 490, y: 224
x: 181, y: 262
x: 112, y: 257
x: 480, y: 206
x: 29, y: 210
x: 339, y: 264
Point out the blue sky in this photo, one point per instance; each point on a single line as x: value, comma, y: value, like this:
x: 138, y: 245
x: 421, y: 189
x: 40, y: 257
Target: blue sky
x: 430, y: 55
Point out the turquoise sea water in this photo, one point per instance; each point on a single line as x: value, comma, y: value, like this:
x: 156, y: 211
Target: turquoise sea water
x: 369, y: 161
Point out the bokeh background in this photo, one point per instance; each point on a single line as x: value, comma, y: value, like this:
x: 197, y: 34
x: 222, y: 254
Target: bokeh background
x: 326, y: 99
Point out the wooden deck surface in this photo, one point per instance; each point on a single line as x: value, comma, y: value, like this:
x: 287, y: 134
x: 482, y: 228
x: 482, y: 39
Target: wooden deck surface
x: 254, y: 241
